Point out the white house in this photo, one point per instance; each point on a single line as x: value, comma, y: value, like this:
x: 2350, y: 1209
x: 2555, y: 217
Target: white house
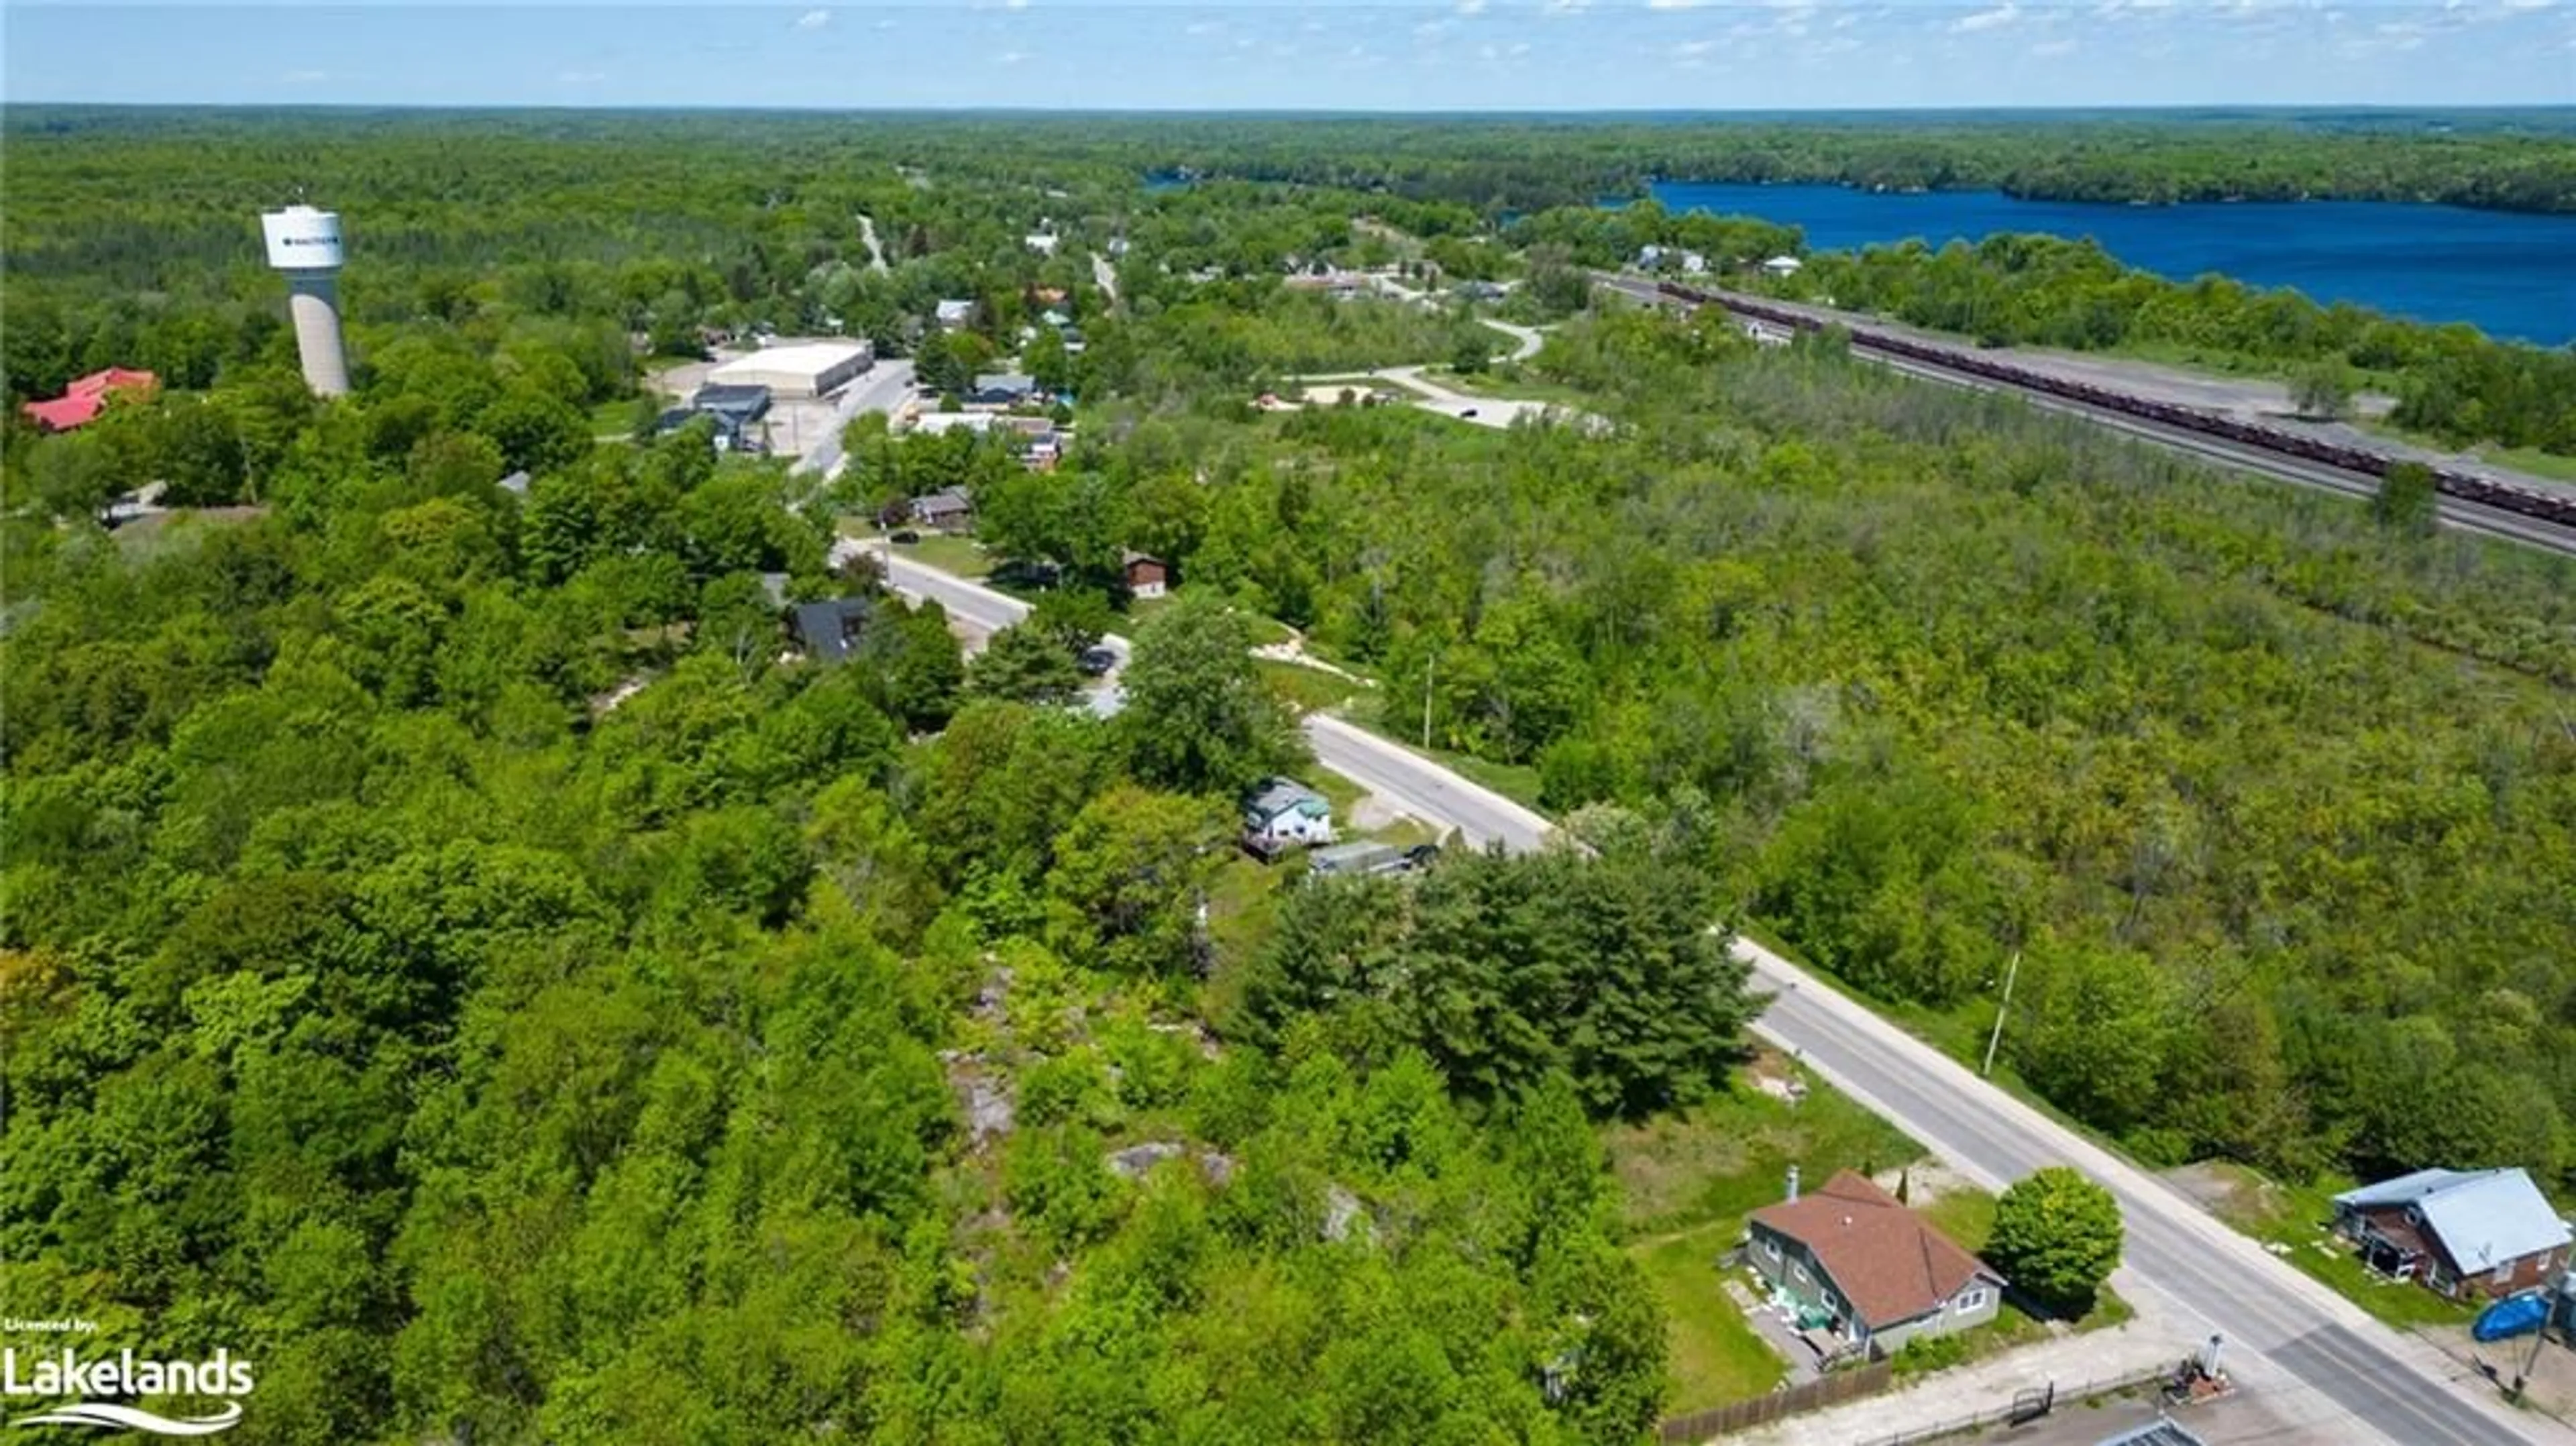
x: 1783, y: 266
x: 1280, y: 812
x: 955, y: 313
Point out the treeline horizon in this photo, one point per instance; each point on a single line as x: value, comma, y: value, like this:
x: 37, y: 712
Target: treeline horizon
x: 2514, y: 158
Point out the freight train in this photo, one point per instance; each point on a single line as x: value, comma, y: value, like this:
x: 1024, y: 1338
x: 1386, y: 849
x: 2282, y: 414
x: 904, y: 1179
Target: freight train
x: 2551, y: 507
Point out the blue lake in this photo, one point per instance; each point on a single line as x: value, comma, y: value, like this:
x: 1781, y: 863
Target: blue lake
x: 2507, y: 274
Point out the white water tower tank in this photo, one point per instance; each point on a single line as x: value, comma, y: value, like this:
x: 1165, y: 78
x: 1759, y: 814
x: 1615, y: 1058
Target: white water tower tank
x: 305, y: 244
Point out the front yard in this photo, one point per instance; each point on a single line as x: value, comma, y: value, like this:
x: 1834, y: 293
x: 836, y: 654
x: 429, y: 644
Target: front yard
x: 2290, y: 1220
x: 1716, y: 1355
x: 1690, y: 1179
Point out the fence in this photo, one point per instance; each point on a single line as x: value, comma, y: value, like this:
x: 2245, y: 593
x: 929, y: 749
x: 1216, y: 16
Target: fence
x: 1817, y: 1394
x: 2022, y: 1407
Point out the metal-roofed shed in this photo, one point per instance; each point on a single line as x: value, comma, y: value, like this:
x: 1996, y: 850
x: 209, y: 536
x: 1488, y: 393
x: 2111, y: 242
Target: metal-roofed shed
x: 2159, y: 1432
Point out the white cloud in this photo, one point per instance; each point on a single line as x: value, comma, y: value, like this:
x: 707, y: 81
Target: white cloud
x: 1471, y: 7
x: 1015, y: 4
x: 1012, y: 57
x: 1567, y: 7
x: 1689, y: 48
x: 1203, y: 27
x: 813, y: 19
x: 305, y: 77
x: 1430, y: 29
x: 1675, y: 4
x: 1995, y: 19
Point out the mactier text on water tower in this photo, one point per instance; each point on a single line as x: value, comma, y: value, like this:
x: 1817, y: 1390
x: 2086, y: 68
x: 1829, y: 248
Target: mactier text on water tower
x: 305, y: 244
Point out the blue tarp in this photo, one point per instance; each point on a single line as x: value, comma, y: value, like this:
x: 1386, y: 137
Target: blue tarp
x: 2512, y: 1316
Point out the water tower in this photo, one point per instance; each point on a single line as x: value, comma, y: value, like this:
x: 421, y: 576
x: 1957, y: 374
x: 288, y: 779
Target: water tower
x: 305, y: 244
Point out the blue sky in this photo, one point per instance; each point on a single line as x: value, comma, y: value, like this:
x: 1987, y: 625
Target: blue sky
x: 1258, y: 54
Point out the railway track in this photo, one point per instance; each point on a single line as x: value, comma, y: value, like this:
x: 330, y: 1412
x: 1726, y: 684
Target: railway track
x: 2464, y: 501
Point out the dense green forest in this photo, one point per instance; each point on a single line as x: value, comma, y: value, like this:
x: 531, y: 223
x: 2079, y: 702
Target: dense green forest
x: 2277, y: 807
x: 449, y: 955
x: 2517, y: 161
x: 493, y: 1061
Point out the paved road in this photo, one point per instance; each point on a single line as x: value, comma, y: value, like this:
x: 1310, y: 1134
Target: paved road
x: 2454, y: 512
x: 1496, y: 412
x: 882, y: 388
x: 2316, y: 1358
x: 1406, y: 780
x: 981, y: 611
x: 1424, y: 789
x: 1526, y: 339
x: 2317, y: 1355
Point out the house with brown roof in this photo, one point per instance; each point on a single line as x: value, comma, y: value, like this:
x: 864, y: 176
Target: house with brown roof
x: 1876, y: 1272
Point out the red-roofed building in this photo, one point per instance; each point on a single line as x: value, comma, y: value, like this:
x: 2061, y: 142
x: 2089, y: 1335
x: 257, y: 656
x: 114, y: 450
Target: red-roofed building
x: 1875, y: 1271
x: 80, y: 405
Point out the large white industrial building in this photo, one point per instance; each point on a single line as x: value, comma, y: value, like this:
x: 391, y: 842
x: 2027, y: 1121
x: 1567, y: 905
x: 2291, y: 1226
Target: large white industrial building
x: 808, y: 369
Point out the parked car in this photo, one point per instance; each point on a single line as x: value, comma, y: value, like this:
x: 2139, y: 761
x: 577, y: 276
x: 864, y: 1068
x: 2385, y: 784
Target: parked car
x: 1017, y: 572
x: 1420, y: 856
x: 1095, y: 661
x: 1466, y: 412
x: 907, y: 535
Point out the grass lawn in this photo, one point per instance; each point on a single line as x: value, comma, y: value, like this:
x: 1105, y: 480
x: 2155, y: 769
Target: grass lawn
x: 1308, y: 690
x: 959, y: 555
x: 1522, y: 388
x: 1716, y: 1357
x: 2552, y: 465
x: 1687, y: 1182
x: 1267, y: 630
x: 2295, y: 1216
x: 614, y: 419
x: 1712, y: 1164
x: 1965, y: 1214
x: 1361, y: 386
x: 2531, y: 460
x: 1243, y: 902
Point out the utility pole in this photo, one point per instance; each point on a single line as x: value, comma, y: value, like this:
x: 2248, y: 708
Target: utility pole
x: 2533, y: 1363
x: 2011, y: 971
x: 1426, y: 701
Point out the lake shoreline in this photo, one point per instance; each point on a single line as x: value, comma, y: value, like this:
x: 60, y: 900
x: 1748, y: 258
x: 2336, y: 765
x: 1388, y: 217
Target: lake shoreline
x: 2504, y: 273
